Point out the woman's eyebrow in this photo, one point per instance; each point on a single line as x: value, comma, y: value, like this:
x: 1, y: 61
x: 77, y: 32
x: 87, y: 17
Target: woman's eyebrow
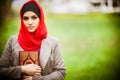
x: 34, y: 16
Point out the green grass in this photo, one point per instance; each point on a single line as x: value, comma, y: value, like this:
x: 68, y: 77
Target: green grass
x: 90, y: 43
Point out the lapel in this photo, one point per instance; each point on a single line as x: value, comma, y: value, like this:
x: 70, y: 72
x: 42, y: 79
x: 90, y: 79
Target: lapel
x: 44, y: 53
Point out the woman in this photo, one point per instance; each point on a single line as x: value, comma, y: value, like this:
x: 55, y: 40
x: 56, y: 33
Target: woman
x: 32, y: 37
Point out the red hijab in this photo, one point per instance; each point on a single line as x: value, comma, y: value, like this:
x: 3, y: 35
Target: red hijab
x: 32, y: 41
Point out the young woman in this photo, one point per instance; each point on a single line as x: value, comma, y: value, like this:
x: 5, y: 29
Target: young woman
x: 32, y: 37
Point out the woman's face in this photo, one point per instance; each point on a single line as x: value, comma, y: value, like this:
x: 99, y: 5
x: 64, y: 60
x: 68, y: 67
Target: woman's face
x: 31, y: 21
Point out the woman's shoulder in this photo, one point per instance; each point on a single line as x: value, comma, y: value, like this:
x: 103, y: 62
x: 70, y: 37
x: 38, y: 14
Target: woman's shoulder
x: 13, y: 36
x: 51, y: 39
x: 13, y: 39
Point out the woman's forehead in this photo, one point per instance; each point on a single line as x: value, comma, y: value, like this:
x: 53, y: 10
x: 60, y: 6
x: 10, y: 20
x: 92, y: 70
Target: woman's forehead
x: 29, y: 13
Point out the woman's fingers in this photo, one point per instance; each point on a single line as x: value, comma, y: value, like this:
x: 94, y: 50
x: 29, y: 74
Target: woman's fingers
x: 31, y: 69
x: 37, y: 74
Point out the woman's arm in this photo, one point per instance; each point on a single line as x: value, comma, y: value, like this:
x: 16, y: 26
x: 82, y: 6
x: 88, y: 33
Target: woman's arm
x: 6, y: 71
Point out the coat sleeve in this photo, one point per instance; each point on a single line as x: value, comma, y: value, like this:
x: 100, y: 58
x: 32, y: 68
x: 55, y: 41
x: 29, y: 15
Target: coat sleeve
x: 6, y: 70
x: 59, y: 70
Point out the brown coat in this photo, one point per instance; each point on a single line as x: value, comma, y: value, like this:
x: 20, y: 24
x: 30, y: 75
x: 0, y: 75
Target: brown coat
x: 51, y: 60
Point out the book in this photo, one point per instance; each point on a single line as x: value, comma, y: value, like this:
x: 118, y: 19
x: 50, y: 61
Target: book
x: 28, y: 57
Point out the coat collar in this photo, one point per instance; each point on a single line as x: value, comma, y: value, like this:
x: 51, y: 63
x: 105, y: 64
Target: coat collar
x: 44, y: 53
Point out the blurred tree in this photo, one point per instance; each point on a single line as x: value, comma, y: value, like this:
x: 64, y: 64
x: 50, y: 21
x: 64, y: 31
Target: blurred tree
x: 5, y: 8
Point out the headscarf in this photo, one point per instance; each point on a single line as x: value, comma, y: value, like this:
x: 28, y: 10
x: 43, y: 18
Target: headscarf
x: 31, y: 7
x: 28, y: 41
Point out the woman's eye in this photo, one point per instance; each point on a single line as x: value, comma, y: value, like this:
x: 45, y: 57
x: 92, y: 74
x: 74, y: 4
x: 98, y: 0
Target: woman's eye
x: 25, y: 18
x: 34, y: 17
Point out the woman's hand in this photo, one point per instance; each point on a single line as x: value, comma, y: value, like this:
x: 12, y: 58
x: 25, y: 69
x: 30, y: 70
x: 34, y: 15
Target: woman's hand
x: 31, y: 70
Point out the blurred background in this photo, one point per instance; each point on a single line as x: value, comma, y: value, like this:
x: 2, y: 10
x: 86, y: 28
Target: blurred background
x: 88, y: 31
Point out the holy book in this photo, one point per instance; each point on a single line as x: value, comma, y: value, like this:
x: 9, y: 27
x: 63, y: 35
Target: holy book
x: 28, y: 57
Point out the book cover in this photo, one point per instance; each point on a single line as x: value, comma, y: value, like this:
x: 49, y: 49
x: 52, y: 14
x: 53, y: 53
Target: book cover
x: 28, y: 57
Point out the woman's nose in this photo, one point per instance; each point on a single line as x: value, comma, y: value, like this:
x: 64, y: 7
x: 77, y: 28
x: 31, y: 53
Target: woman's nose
x: 29, y: 21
